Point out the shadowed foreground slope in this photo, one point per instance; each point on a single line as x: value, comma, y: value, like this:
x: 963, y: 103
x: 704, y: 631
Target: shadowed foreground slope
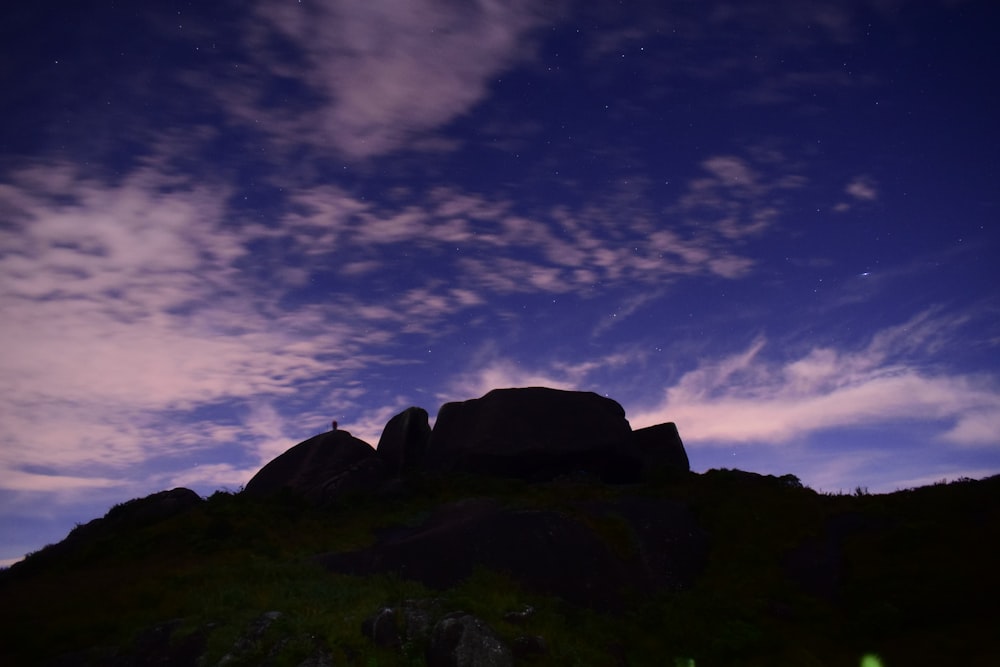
x: 342, y: 556
x: 788, y: 576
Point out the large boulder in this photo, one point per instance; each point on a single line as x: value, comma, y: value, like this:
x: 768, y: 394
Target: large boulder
x: 320, y: 469
x: 545, y: 551
x: 661, y: 448
x: 404, y: 440
x: 409, y: 622
x: 534, y: 433
x: 463, y: 640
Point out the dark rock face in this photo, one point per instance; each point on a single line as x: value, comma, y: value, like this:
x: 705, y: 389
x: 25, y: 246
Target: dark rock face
x: 392, y: 627
x: 462, y: 640
x: 320, y: 469
x: 534, y: 433
x: 543, y: 550
x: 672, y: 548
x: 406, y: 623
x: 404, y: 440
x: 450, y: 637
x: 661, y: 448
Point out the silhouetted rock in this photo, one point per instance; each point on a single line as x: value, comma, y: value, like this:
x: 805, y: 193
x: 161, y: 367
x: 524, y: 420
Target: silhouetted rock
x: 404, y: 440
x: 661, y: 448
x: 320, y: 469
x: 534, y: 433
x: 546, y: 551
x: 462, y: 640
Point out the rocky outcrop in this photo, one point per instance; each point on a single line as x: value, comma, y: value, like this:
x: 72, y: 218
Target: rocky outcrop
x: 543, y: 550
x: 534, y: 433
x: 320, y: 469
x: 403, y: 625
x: 661, y: 448
x: 904, y: 569
x: 451, y: 639
x: 404, y: 440
x: 462, y: 640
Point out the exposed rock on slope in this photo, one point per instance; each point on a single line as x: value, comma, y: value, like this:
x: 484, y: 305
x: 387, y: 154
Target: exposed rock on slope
x: 547, y: 551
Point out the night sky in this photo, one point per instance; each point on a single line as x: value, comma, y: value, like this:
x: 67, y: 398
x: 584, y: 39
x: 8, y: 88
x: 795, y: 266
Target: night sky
x: 223, y: 224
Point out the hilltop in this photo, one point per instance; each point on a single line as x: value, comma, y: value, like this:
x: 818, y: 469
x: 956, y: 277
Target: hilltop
x: 528, y: 527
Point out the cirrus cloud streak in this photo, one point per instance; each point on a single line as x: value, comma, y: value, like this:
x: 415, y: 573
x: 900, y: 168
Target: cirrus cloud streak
x: 748, y: 398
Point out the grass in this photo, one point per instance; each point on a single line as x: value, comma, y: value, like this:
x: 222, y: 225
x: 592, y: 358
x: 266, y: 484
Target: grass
x: 917, y: 586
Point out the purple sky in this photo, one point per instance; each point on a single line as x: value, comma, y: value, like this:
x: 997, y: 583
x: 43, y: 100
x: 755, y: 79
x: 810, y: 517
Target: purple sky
x: 224, y: 224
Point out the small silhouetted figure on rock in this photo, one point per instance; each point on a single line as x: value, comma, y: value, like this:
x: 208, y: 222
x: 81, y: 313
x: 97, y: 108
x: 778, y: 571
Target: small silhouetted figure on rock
x: 333, y: 425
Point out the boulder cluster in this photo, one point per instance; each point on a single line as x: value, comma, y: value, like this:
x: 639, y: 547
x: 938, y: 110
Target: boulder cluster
x: 600, y: 551
x: 532, y: 433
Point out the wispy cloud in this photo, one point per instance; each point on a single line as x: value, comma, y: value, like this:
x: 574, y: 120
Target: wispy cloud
x: 384, y: 76
x: 861, y: 189
x: 493, y: 248
x: 747, y: 398
x: 25, y: 481
x: 502, y: 373
x: 128, y: 303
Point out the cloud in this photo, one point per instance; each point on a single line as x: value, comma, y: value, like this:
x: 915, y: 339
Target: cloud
x: 90, y: 278
x: 387, y: 74
x: 862, y: 189
x: 17, y: 480
x: 131, y: 306
x: 746, y: 398
x: 489, y: 246
x: 977, y: 426
x: 504, y: 373
x: 127, y: 304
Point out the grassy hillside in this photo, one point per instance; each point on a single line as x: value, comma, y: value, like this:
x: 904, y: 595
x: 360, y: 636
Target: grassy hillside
x: 792, y: 578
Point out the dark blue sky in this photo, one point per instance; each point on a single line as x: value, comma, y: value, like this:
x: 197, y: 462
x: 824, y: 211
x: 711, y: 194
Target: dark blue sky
x: 773, y: 223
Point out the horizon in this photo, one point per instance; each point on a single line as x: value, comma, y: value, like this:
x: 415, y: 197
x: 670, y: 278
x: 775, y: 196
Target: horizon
x: 223, y: 227
x: 432, y: 419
